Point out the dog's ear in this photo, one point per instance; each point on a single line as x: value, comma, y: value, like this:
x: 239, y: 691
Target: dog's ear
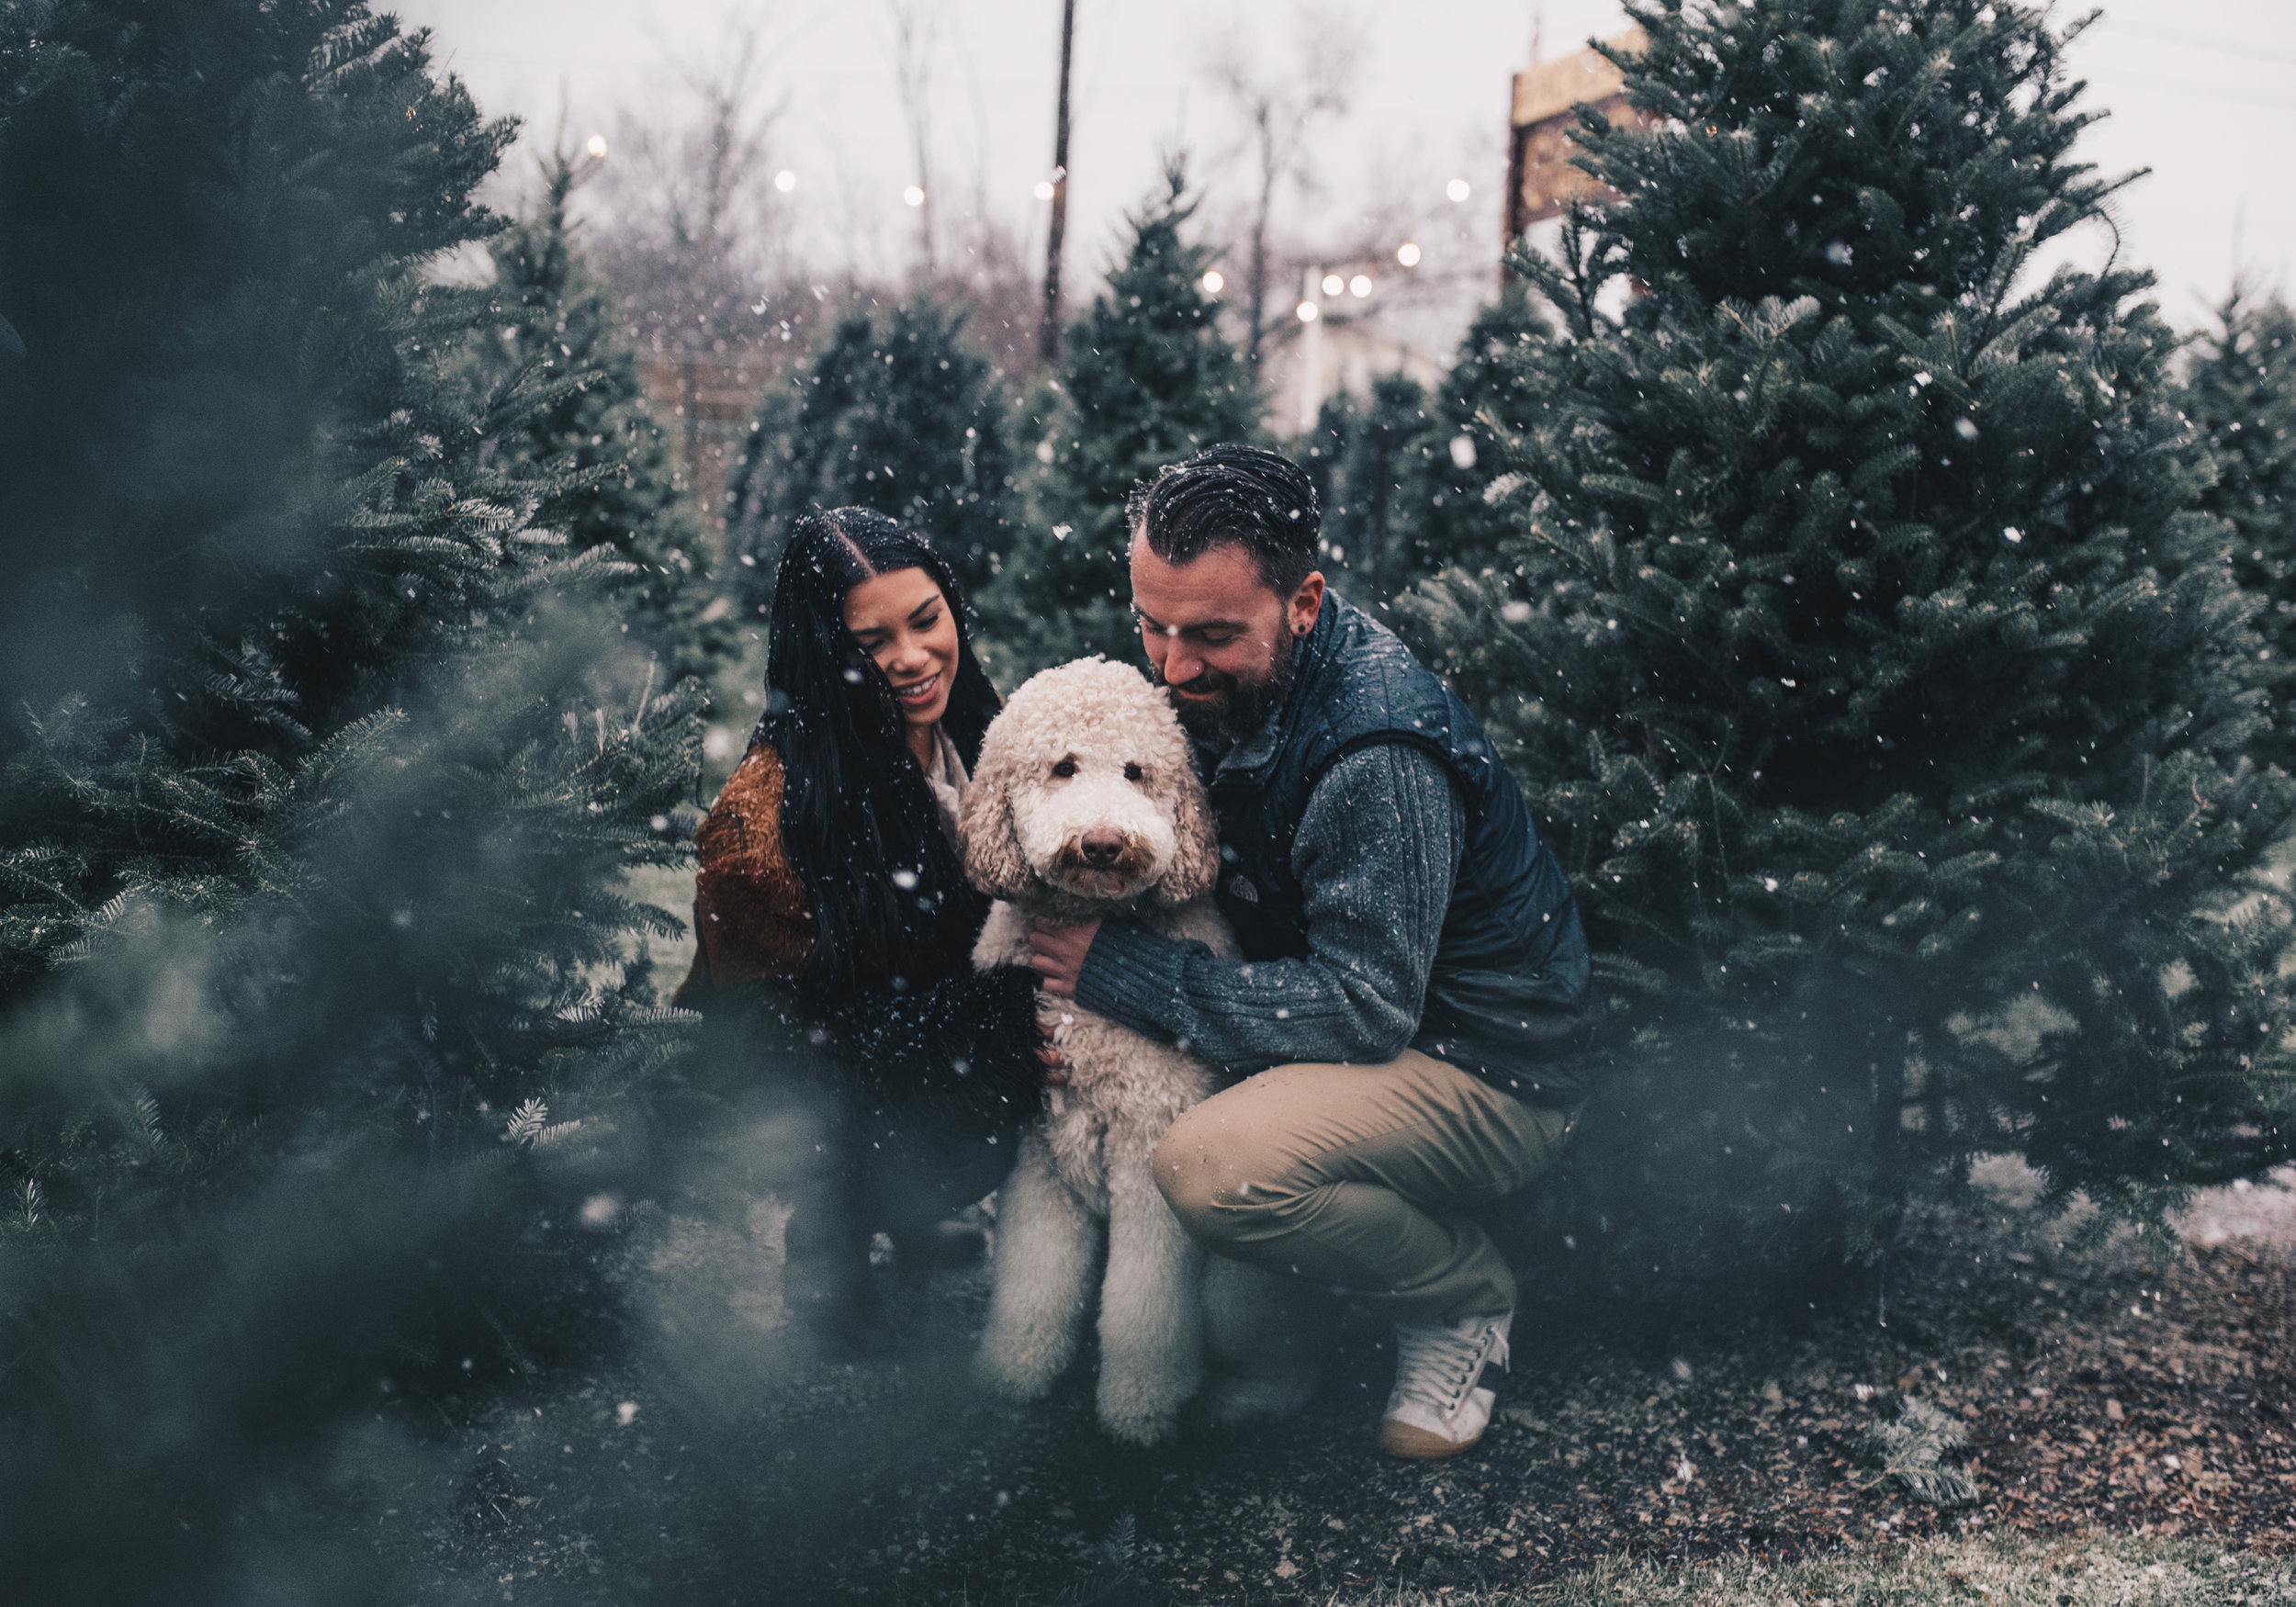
x: 1196, y: 854
x: 994, y: 862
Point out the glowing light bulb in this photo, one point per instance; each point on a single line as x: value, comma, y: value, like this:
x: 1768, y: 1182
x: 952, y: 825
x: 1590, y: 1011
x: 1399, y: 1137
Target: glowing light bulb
x: 1310, y: 312
x: 1458, y: 190
x: 1043, y: 191
x: 1333, y: 284
x: 1359, y: 286
x: 1407, y: 253
x: 1213, y: 283
x: 913, y: 196
x: 596, y: 146
x: 785, y: 181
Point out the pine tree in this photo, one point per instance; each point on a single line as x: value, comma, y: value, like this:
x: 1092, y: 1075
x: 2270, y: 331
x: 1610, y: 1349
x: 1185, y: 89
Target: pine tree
x: 1145, y: 378
x: 2241, y: 394
x: 1405, y: 478
x: 601, y: 437
x: 1482, y: 403
x: 1864, y: 659
x: 324, y: 769
x: 898, y: 412
x: 1373, y: 461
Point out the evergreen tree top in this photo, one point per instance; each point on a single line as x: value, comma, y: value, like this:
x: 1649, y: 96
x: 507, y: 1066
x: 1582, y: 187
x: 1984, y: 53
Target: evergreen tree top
x: 1147, y: 376
x: 1881, y: 155
x: 1856, y: 500
x: 2241, y: 393
x: 897, y: 410
x: 565, y: 376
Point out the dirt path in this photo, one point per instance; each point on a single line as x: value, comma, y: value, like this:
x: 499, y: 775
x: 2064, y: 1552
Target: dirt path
x: 2140, y: 1389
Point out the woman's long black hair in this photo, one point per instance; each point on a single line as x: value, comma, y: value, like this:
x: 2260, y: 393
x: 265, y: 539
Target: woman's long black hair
x: 891, y: 904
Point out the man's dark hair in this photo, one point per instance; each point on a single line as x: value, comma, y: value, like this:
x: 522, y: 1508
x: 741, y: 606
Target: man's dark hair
x: 1237, y: 493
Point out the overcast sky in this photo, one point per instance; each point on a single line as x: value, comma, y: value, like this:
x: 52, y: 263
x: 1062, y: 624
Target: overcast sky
x: 2203, y: 92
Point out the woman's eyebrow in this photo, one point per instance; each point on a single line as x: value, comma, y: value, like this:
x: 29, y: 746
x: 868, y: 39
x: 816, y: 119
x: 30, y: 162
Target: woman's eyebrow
x: 925, y: 607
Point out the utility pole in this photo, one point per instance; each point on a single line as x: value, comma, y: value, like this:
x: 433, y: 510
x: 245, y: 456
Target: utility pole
x: 1049, y: 334
x: 1311, y: 348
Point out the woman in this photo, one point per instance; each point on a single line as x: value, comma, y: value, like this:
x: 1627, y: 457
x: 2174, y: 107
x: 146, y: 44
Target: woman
x: 832, y: 899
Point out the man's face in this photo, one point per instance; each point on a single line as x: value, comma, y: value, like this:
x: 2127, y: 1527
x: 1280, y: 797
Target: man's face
x: 1217, y: 636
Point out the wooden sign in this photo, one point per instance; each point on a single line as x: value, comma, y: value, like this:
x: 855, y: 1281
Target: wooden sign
x: 1541, y: 180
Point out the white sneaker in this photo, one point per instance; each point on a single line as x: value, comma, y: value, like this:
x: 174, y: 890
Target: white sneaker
x: 1437, y: 1408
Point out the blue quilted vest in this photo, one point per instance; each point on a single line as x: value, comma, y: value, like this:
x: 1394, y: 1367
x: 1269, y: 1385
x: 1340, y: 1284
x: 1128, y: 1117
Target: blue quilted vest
x: 1508, y: 998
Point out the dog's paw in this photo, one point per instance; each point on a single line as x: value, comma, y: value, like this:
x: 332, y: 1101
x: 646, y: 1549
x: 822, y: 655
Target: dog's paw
x: 1138, y: 1427
x: 1143, y: 1410
x: 1234, y: 1399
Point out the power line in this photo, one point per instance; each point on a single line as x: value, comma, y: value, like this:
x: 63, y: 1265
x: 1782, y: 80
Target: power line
x: 2202, y: 42
x: 2212, y: 91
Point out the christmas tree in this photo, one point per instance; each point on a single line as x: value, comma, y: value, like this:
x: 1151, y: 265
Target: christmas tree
x: 2241, y: 394
x: 1405, y: 478
x: 898, y: 411
x: 1864, y: 659
x: 1145, y: 378
x: 564, y: 349
x: 326, y: 765
x: 1482, y: 403
x: 1372, y: 460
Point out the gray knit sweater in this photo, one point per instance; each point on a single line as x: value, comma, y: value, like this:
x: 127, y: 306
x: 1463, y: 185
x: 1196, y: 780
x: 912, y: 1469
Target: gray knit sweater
x: 1377, y: 853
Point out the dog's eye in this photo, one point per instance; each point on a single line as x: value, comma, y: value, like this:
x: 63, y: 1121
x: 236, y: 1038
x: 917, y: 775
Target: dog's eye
x: 1066, y: 769
x: 1132, y: 772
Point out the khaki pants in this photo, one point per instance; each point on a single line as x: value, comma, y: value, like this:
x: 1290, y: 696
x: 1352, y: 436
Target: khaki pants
x: 1356, y: 1176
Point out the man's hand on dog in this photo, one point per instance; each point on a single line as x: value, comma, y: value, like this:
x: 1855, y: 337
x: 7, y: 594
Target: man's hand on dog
x: 1056, y: 953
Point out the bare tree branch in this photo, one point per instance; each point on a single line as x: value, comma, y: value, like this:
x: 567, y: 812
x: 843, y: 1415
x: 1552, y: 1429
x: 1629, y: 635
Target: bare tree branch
x: 692, y: 236
x: 915, y: 36
x: 1278, y: 99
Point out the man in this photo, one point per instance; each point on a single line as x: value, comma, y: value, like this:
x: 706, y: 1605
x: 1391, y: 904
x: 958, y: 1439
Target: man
x: 1415, y: 973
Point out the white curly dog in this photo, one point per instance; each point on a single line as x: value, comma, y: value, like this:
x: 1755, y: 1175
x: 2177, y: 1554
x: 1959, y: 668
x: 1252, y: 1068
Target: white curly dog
x: 1085, y: 804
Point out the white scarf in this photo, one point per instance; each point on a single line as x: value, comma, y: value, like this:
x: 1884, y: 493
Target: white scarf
x: 948, y: 780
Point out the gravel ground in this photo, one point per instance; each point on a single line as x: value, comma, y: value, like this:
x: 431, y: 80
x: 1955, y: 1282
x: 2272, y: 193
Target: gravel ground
x: 2132, y: 1388
x: 2092, y: 1572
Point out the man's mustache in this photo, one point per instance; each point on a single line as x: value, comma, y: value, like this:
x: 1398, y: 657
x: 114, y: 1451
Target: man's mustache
x: 1204, y: 681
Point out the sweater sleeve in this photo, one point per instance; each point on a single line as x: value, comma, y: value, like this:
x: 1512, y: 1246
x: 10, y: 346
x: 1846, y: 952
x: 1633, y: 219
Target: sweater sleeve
x: 1377, y: 854
x: 750, y: 922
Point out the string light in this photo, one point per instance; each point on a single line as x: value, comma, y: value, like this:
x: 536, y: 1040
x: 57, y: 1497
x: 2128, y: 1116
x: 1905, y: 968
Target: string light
x: 1407, y: 253
x: 1310, y: 312
x: 1043, y: 191
x: 1213, y: 283
x: 913, y: 195
x: 785, y: 181
x: 1333, y: 284
x: 1359, y: 286
x: 1458, y: 189
x: 596, y: 146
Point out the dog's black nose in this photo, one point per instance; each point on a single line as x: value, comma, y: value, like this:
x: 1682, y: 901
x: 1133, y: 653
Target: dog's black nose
x: 1101, y: 848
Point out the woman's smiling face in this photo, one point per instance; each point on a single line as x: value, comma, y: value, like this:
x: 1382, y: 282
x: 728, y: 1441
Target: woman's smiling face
x: 903, y: 622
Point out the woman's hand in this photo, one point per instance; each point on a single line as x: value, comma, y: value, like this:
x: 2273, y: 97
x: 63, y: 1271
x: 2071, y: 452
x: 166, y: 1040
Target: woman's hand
x: 1056, y: 953
x: 1049, y: 1019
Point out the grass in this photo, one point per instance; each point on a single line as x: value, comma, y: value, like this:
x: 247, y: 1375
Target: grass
x: 2103, y: 1571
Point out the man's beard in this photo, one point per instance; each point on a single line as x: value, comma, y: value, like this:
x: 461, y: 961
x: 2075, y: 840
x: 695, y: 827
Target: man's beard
x: 1239, y: 707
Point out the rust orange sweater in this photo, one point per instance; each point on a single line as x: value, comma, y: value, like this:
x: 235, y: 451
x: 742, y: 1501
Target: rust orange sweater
x: 750, y: 919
